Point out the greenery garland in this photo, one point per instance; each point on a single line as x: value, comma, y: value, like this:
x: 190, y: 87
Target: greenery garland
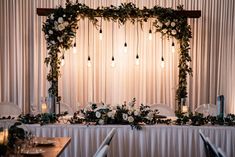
x: 60, y: 30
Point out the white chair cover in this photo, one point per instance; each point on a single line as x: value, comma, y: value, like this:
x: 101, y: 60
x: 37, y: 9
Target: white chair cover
x: 163, y: 109
x: 9, y: 109
x: 207, y: 109
x: 221, y: 152
x: 64, y: 107
x: 106, y: 141
x: 103, y: 152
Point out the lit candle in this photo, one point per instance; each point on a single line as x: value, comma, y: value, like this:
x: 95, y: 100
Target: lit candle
x: 5, y: 136
x: 1, y: 137
x: 44, y: 108
x: 184, y: 109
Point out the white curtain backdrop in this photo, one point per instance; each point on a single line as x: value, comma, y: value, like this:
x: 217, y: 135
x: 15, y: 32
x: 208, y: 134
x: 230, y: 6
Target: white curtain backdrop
x: 23, y: 73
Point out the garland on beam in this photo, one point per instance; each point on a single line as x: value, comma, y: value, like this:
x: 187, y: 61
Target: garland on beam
x: 60, y: 30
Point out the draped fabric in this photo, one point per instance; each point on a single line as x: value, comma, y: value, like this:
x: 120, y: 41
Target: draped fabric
x: 23, y: 49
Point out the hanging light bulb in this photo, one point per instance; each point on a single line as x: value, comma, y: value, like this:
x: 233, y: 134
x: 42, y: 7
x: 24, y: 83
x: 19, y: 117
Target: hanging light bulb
x: 162, y: 62
x: 89, y: 61
x: 100, y: 34
x: 137, y: 60
x: 125, y: 47
x: 62, y: 60
x: 150, y: 34
x: 173, y: 47
x: 113, y: 62
x: 74, y: 48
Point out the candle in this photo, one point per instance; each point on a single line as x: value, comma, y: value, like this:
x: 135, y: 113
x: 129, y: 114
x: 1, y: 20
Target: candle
x: 5, y: 136
x: 1, y: 137
x: 184, y: 109
x: 44, y: 108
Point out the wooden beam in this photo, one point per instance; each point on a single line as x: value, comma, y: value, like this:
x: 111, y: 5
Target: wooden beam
x: 186, y: 13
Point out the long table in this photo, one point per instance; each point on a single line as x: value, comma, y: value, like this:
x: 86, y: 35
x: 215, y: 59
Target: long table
x: 151, y: 141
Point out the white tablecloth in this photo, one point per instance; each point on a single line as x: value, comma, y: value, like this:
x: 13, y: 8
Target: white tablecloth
x: 151, y: 141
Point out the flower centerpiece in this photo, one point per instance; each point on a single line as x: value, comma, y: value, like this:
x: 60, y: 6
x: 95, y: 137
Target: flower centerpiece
x: 126, y: 114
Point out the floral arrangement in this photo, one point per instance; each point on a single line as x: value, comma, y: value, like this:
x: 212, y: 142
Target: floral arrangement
x: 43, y: 118
x: 126, y: 114
x: 60, y: 29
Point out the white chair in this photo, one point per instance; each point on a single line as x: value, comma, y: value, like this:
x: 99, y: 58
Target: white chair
x: 212, y: 149
x: 103, y: 152
x: 64, y: 107
x: 9, y: 109
x: 203, y: 137
x: 163, y: 109
x: 106, y: 141
x: 207, y: 109
x: 221, y: 152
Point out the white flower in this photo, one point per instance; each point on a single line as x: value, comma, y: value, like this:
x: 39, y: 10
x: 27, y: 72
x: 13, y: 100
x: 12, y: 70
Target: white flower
x: 110, y: 114
x: 60, y: 39
x: 159, y: 24
x: 129, y: 112
x: 46, y: 36
x: 136, y: 113
x: 64, y: 15
x: 150, y: 115
x: 164, y: 30
x: 50, y: 32
x: 66, y: 23
x: 173, y: 32
x: 101, y: 121
x: 52, y: 16
x: 61, y: 27
x: 98, y: 114
x: 60, y: 20
x: 172, y: 24
x: 53, y: 42
x: 130, y: 119
x: 168, y: 23
x: 124, y: 116
x: 55, y: 23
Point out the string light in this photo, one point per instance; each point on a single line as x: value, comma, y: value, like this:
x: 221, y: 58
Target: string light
x: 101, y: 32
x: 62, y: 60
x: 162, y: 62
x: 74, y: 48
x: 150, y: 34
x: 173, y: 46
x: 89, y: 61
x: 113, y: 62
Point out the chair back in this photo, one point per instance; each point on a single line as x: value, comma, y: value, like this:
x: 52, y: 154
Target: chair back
x: 207, y: 109
x: 203, y: 137
x: 9, y: 109
x: 106, y: 141
x: 103, y: 152
x: 163, y: 109
x: 212, y: 149
x: 221, y: 152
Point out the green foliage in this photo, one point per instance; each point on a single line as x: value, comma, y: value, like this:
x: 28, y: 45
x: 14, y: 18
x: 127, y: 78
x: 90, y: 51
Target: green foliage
x: 60, y: 29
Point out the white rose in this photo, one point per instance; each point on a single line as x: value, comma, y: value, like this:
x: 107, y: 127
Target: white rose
x: 60, y: 39
x: 136, y: 113
x: 64, y: 15
x: 110, y: 114
x: 52, y: 16
x: 50, y: 32
x: 46, y: 36
x: 98, y: 114
x: 53, y: 42
x: 159, y: 24
x: 173, y: 32
x: 164, y: 31
x: 129, y: 112
x: 124, y: 116
x: 172, y: 24
x: 60, y: 20
x: 101, y: 121
x: 150, y: 115
x: 66, y: 23
x: 168, y: 23
x: 61, y: 27
x: 130, y: 119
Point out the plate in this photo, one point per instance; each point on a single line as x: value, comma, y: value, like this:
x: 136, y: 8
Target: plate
x: 32, y: 151
x: 44, y: 142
